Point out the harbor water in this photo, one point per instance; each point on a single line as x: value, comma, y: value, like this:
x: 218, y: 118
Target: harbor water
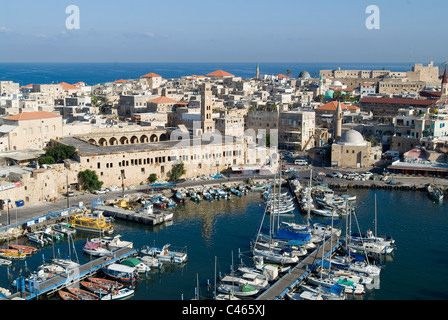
x: 222, y: 229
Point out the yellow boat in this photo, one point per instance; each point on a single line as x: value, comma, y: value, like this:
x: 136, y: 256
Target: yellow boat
x: 86, y: 223
x: 13, y: 255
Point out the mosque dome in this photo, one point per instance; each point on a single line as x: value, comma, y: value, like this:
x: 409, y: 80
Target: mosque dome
x: 329, y: 94
x: 352, y: 138
x: 336, y: 84
x: 304, y: 75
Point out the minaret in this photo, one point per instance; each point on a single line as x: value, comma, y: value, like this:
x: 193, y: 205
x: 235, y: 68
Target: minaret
x: 338, y: 122
x: 444, y: 88
x: 258, y: 72
x: 207, y: 123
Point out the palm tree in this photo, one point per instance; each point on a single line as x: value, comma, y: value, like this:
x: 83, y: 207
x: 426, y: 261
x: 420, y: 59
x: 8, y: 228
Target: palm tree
x: 288, y: 72
x: 105, y: 102
x: 94, y: 100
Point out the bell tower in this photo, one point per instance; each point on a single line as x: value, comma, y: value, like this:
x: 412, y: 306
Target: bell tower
x: 207, y: 123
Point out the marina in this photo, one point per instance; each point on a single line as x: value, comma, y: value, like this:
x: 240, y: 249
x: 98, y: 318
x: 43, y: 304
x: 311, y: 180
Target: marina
x: 247, y: 210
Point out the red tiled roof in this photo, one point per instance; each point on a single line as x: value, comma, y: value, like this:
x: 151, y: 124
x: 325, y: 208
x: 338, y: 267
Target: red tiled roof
x: 282, y: 76
x: 220, y: 73
x: 32, y: 115
x: 333, y: 105
x: 419, y: 102
x: 67, y: 86
x: 162, y: 99
x: 120, y: 81
x: 151, y: 75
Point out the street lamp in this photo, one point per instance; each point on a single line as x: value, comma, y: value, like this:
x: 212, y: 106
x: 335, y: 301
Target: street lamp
x: 122, y: 183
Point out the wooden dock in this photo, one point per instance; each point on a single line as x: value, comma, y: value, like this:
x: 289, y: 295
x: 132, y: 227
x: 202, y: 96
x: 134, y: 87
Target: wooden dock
x: 131, y: 215
x: 299, y: 273
x: 35, y: 289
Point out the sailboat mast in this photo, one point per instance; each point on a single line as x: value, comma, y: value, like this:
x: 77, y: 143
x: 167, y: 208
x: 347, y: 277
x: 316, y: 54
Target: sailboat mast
x: 309, y: 200
x: 375, y: 218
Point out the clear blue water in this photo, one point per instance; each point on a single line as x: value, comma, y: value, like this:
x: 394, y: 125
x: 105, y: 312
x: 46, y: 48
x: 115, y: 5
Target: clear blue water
x: 94, y: 73
x: 416, y: 271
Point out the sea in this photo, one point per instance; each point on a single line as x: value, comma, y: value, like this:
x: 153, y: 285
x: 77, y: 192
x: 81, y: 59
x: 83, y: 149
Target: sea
x: 95, y: 73
x: 216, y: 236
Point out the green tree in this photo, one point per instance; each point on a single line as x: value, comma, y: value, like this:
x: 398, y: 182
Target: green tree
x: 152, y: 178
x: 177, y: 171
x: 373, y: 141
x: 288, y: 72
x: 89, y: 180
x: 57, y: 154
x: 46, y: 160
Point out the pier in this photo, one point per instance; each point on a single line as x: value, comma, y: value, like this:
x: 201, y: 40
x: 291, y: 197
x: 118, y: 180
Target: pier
x: 58, y: 282
x: 130, y: 215
x: 299, y: 273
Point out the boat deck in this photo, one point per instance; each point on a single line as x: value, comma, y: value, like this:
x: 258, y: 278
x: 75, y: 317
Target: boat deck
x: 300, y: 271
x: 60, y: 281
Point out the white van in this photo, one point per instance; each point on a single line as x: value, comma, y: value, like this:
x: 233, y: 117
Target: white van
x: 301, y: 162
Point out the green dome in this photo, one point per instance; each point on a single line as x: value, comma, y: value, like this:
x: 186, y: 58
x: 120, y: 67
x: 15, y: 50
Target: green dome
x: 329, y: 94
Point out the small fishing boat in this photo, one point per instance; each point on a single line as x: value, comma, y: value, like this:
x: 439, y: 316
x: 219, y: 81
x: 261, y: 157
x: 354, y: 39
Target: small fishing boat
x: 236, y: 192
x: 95, y: 287
x: 38, y: 237
x: 5, y: 262
x: 49, y: 232
x: 14, y: 255
x: 237, y: 289
x: 83, y: 294
x: 64, y: 228
x: 67, y: 296
x: 195, y: 197
x: 180, y: 196
x: 164, y: 254
x: 207, y: 195
x: 119, y: 294
x: 435, y: 193
x: 151, y: 261
x: 23, y: 247
x: 109, y: 284
x: 17, y: 251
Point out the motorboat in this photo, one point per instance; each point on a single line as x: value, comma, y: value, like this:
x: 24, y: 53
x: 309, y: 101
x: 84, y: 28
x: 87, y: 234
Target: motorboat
x: 64, y: 228
x: 121, y: 272
x: 136, y: 263
x: 95, y: 249
x: 119, y: 294
x: 112, y: 243
x: 91, y: 224
x: 151, y: 261
x: 38, y: 237
x: 165, y: 255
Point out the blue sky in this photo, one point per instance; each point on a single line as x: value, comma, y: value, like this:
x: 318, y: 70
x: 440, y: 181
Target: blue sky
x: 223, y: 31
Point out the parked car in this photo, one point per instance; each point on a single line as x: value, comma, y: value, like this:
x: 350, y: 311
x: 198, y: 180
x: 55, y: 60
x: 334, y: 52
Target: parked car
x: 70, y: 194
x: 336, y: 175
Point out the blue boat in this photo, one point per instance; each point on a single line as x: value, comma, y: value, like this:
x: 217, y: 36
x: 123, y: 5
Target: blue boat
x: 236, y: 192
